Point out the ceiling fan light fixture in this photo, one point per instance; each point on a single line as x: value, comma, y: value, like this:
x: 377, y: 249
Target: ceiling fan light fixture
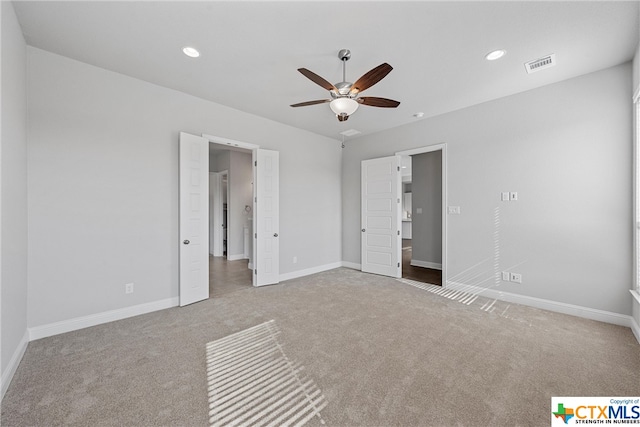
x: 347, y: 106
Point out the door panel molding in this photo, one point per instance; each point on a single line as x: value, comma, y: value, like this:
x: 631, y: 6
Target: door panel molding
x: 194, y: 218
x: 381, y: 242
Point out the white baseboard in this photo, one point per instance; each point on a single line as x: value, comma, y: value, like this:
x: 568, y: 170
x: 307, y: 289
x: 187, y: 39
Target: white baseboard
x: 308, y: 271
x: 235, y: 257
x: 426, y: 264
x: 64, y: 326
x: 555, y: 306
x: 352, y: 265
x: 8, y: 373
x: 635, y: 328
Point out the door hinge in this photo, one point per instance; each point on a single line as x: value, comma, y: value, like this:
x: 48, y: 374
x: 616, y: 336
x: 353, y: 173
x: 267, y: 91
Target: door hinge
x: 255, y: 271
x: 398, y: 168
x: 255, y: 199
x: 398, y: 200
x: 254, y: 163
x: 398, y: 264
x: 255, y: 236
x: 398, y: 232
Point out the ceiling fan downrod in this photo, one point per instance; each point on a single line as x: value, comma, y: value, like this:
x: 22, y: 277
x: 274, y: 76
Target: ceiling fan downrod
x: 344, y: 56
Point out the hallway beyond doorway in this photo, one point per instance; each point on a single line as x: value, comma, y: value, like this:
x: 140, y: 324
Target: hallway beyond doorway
x: 226, y: 276
x: 420, y: 274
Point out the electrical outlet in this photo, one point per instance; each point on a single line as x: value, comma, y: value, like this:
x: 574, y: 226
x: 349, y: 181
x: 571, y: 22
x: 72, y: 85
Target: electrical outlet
x: 506, y: 276
x: 516, y: 277
x: 513, y: 196
x: 128, y: 288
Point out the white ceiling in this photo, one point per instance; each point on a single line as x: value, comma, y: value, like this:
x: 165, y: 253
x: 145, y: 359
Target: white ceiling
x: 251, y: 50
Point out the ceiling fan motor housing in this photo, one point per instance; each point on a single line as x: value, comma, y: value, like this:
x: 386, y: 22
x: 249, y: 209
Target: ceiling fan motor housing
x: 343, y: 89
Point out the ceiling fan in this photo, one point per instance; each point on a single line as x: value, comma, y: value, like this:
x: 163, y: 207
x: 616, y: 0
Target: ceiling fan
x: 345, y: 95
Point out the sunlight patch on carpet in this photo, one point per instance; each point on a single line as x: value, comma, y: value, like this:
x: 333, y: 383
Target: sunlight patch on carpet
x: 456, y: 295
x: 468, y: 295
x: 252, y: 382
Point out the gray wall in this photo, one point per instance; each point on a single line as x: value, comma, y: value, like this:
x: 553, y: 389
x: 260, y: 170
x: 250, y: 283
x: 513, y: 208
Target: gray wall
x: 240, y: 192
x: 219, y: 161
x: 636, y: 87
x: 103, y: 187
x: 426, y: 187
x: 13, y: 213
x: 567, y: 150
x: 240, y: 176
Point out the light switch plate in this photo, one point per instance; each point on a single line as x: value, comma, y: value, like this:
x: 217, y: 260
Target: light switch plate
x: 505, y: 196
x: 513, y: 196
x: 454, y: 210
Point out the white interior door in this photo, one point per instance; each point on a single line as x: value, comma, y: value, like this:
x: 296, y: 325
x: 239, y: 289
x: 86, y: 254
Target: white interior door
x: 215, y: 205
x: 266, y: 248
x: 194, y: 218
x: 381, y: 216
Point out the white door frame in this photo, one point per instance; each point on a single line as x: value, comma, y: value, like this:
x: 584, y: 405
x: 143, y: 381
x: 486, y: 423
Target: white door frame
x: 215, y: 226
x: 224, y: 200
x: 230, y: 142
x: 429, y: 149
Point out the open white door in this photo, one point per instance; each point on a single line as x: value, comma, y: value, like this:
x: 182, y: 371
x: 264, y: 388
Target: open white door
x: 266, y: 247
x: 381, y: 216
x: 194, y: 218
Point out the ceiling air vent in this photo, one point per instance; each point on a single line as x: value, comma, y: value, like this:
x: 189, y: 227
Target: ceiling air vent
x: 350, y: 132
x: 540, y: 64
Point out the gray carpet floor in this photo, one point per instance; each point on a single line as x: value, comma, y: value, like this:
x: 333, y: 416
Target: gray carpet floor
x: 383, y: 353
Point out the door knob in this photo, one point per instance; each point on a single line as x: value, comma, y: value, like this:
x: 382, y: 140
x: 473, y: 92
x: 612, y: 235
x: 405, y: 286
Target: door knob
x: 186, y: 242
x: 275, y: 234
x: 363, y: 230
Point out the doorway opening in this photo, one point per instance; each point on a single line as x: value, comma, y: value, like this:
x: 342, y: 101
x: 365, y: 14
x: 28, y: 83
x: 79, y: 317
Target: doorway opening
x: 230, y: 219
x: 262, y: 248
x: 422, y: 217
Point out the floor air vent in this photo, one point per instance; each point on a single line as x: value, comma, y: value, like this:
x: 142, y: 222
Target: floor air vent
x: 540, y: 64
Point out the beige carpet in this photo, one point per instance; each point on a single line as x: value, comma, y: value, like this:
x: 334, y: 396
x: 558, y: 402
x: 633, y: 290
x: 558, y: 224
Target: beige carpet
x: 382, y: 352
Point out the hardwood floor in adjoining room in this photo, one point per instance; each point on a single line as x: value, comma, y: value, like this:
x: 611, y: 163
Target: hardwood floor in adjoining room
x: 419, y: 274
x: 228, y: 276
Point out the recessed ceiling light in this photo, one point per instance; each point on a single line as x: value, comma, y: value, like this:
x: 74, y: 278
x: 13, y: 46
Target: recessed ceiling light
x: 191, y: 51
x: 496, y: 54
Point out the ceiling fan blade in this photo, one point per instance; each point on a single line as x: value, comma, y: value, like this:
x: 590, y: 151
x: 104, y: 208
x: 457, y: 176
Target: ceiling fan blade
x: 372, y: 101
x: 304, y: 104
x: 371, y: 78
x: 317, y: 79
x: 342, y: 118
